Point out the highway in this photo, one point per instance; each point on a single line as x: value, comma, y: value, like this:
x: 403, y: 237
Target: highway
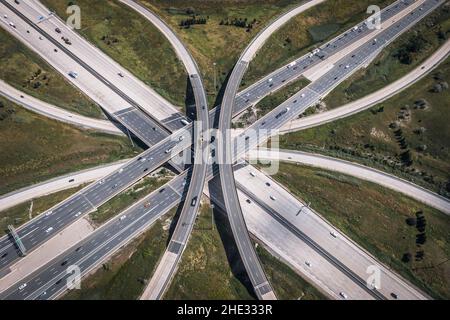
x: 56, y: 113
x: 64, y: 182
x: 372, y: 99
x: 139, y: 94
x: 312, y: 94
x: 359, y: 171
x: 131, y: 118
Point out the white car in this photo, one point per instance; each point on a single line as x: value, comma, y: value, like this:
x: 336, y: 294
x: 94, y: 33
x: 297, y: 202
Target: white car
x: 122, y: 217
x: 333, y: 234
x: 302, y: 95
x: 181, y: 138
x: 12, y: 24
x: 49, y: 230
x: 343, y: 295
x: 273, y: 198
x: 73, y: 74
x: 48, y: 213
x: 308, y: 263
x: 78, y: 214
x: 22, y: 286
x: 252, y: 174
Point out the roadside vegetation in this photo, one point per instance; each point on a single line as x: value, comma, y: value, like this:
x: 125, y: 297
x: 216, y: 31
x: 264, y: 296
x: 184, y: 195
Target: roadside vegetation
x: 133, y: 42
x: 20, y: 214
x: 226, y: 29
x: 307, y: 31
x: 26, y: 71
x: 399, y: 58
x: 35, y: 148
x: 125, y: 199
x: 407, y: 135
x: 404, y: 234
x: 205, y: 271
x: 125, y: 275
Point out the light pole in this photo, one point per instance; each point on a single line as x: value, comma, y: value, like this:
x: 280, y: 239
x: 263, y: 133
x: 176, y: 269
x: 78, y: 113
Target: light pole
x: 300, y: 211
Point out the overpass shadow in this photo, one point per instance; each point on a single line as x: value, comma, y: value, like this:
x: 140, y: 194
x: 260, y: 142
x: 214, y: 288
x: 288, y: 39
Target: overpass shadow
x: 229, y: 243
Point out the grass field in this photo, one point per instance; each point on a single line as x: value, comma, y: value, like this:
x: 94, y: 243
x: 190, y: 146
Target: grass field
x: 35, y: 148
x: 20, y: 214
x: 26, y: 71
x: 126, y: 274
x: 402, y: 56
x: 373, y: 138
x: 205, y: 271
x: 128, y: 197
x: 305, y: 31
x: 214, y: 42
x: 375, y: 218
x: 133, y: 42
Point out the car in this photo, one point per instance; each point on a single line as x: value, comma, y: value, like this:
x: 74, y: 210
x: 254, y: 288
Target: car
x: 22, y: 286
x: 120, y: 170
x: 147, y: 204
x: 308, y: 263
x: 78, y: 214
x: 58, y: 30
x: 73, y: 74
x: 78, y: 249
x: 4, y: 255
x: 64, y: 263
x: 343, y: 295
x: 252, y: 174
x: 162, y: 190
x: 168, y: 150
x: 71, y: 180
x: 270, y: 80
x: 302, y: 95
x: 183, y: 121
x: 5, y: 16
x: 122, y: 217
x: 48, y: 213
x: 268, y: 184
x: 121, y: 74
x: 193, y: 202
x: 12, y: 24
x: 17, y: 1
x: 248, y: 201
x: 142, y: 159
x: 393, y: 295
x: 273, y: 198
x: 49, y: 230
x: 347, y: 66
x: 146, y: 169
x: 181, y: 138
x: 333, y: 234
x: 293, y: 63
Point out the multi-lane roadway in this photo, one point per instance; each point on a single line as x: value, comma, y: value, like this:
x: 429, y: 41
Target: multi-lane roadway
x: 327, y: 82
